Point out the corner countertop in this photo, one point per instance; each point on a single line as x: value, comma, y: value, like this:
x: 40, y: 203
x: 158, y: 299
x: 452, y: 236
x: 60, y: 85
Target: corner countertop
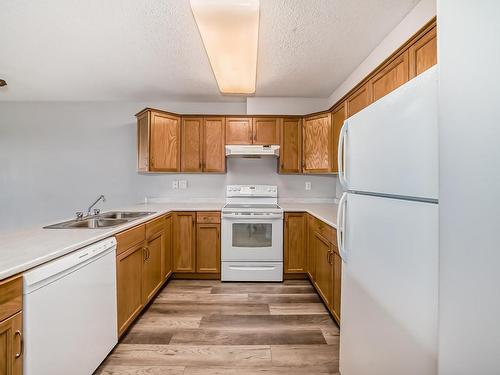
x: 23, y: 249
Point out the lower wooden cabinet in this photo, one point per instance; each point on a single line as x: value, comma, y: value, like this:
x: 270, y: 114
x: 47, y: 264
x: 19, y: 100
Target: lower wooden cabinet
x: 208, y: 248
x: 295, y: 242
x: 184, y: 242
x: 324, y: 270
x: 11, y: 326
x: 140, y: 268
x: 196, y: 242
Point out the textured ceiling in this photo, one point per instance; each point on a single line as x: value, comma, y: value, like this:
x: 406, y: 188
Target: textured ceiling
x: 150, y: 50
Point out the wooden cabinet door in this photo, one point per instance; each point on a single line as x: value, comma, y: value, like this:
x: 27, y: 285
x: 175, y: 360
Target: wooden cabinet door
x: 184, y: 242
x: 390, y: 77
x: 167, y: 249
x: 143, y: 142
x: 311, y: 251
x: 265, y: 131
x: 337, y: 284
x: 165, y: 143
x: 208, y: 248
x: 423, y: 53
x: 359, y: 99
x: 129, y: 285
x: 324, y: 268
x: 238, y: 131
x: 151, y: 269
x: 191, y: 149
x: 291, y: 145
x: 338, y: 117
x: 318, y: 140
x: 214, y: 152
x: 11, y: 345
x: 295, y: 242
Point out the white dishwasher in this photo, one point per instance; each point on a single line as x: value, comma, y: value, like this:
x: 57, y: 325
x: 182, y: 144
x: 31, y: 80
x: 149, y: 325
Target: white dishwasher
x: 70, y: 320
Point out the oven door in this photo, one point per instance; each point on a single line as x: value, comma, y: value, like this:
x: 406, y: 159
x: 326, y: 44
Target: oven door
x: 253, y: 237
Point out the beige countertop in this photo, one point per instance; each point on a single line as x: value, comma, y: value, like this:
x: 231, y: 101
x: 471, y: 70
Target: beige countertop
x: 26, y: 248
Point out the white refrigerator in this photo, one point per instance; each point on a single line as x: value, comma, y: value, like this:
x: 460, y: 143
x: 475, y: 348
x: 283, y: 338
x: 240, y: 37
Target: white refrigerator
x: 388, y: 233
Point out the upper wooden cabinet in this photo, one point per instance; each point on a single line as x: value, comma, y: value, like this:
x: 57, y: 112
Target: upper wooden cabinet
x: 290, y: 145
x: 265, y: 131
x: 359, y: 99
x: 338, y: 117
x: 390, y: 77
x: 317, y: 144
x: 158, y: 141
x: 191, y: 149
x: 248, y: 130
x: 214, y: 152
x: 423, y: 53
x: 203, y: 144
x: 238, y: 131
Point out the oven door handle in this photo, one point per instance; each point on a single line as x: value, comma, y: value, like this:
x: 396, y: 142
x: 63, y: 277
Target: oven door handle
x: 252, y: 215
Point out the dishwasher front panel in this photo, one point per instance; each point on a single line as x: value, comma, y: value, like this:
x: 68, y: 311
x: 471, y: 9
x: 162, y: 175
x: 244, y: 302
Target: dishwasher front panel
x: 70, y: 323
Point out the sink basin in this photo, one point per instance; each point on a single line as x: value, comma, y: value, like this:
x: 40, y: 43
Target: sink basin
x: 104, y: 220
x: 124, y: 214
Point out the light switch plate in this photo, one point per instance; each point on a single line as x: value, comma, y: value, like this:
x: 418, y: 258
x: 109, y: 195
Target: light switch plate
x: 182, y: 184
x: 175, y: 184
x: 308, y: 185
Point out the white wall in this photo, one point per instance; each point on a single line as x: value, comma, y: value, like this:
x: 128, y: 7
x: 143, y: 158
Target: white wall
x: 418, y: 17
x: 469, y: 125
x: 288, y: 106
x: 55, y: 158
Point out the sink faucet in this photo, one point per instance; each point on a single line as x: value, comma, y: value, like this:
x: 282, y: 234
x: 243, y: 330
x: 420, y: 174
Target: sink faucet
x: 96, y: 212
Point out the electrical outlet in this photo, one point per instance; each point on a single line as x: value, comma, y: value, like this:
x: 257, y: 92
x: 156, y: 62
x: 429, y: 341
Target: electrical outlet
x: 175, y: 184
x: 308, y: 185
x: 183, y: 184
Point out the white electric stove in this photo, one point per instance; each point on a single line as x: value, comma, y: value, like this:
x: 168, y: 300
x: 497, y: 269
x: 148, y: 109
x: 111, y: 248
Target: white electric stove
x: 252, y: 234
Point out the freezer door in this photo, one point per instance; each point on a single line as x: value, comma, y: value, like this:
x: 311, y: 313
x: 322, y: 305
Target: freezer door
x: 389, y: 287
x: 391, y: 147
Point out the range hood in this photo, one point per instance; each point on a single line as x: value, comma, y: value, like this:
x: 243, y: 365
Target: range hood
x: 252, y: 151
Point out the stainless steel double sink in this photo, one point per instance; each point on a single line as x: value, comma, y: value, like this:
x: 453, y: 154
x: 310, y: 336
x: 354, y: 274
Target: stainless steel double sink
x: 104, y: 220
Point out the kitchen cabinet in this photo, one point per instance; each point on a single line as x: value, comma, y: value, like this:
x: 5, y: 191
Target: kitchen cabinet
x: 338, y: 117
x: 423, y: 53
x: 11, y: 326
x: 214, y: 151
x: 203, y: 144
x: 153, y: 251
x: 158, y: 141
x: 239, y: 131
x: 359, y: 99
x: 324, y: 265
x: 167, y: 249
x: 265, y: 131
x: 139, y: 268
x: 290, y: 145
x: 129, y: 285
x: 392, y: 75
x: 184, y: 242
x: 191, y: 140
x: 295, y: 242
x: 207, y: 248
x: 318, y: 144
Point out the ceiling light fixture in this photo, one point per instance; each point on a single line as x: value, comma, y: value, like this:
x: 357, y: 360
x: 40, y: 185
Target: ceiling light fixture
x: 230, y: 31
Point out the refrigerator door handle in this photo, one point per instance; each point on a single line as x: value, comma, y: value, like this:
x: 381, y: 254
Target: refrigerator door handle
x: 341, y: 153
x: 341, y: 227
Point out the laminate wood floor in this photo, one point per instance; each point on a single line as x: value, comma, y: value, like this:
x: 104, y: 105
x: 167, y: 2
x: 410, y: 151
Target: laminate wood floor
x: 205, y: 327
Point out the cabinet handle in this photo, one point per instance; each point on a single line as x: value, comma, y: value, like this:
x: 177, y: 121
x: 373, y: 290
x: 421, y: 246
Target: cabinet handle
x: 145, y: 253
x: 21, y: 343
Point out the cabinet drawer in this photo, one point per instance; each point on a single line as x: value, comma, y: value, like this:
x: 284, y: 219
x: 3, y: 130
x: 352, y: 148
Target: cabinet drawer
x: 324, y: 229
x: 208, y: 217
x: 155, y: 226
x: 125, y: 240
x: 11, y: 296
